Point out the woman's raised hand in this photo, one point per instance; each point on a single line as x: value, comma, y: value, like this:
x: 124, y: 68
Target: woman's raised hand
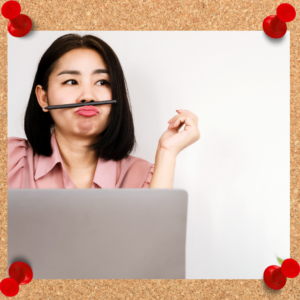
x: 176, y: 141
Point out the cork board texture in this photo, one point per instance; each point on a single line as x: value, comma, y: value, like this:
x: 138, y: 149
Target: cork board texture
x: 156, y: 15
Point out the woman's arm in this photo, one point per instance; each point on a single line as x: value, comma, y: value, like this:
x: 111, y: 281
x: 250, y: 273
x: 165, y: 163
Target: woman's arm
x: 170, y: 144
x: 164, y: 169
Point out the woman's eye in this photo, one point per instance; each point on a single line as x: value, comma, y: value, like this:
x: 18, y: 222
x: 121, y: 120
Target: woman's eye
x: 103, y: 82
x: 69, y: 81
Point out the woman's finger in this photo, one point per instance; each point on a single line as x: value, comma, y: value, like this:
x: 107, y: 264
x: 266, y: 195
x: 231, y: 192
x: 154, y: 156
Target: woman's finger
x: 177, y: 125
x: 171, y: 125
x: 171, y: 121
x: 174, y: 120
x: 181, y: 113
x: 193, y: 116
x: 185, y: 119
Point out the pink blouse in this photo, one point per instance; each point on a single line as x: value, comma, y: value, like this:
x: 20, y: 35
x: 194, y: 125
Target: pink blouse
x: 42, y: 172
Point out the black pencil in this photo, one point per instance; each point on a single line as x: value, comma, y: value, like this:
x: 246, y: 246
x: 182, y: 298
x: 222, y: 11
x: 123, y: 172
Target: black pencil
x: 80, y: 104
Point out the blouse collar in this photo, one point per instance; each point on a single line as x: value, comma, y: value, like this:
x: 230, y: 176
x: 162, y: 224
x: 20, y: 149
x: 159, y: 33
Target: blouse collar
x: 105, y: 174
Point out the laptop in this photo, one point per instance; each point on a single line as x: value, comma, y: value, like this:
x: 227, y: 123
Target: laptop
x: 98, y: 233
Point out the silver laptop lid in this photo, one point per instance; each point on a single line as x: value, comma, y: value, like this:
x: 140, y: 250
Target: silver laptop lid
x: 98, y: 233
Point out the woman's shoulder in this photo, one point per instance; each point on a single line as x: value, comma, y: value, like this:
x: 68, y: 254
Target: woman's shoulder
x: 14, y: 143
x: 17, y: 149
x: 15, y: 139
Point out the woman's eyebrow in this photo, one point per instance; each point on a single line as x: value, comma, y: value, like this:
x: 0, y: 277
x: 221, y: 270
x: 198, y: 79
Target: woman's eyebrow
x: 74, y: 72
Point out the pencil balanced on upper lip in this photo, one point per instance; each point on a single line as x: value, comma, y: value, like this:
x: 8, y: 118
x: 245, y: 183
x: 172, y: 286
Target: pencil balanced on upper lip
x: 79, y: 104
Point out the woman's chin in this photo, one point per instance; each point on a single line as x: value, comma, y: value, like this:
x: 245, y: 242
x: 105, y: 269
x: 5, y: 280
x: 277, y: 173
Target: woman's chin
x: 86, y: 128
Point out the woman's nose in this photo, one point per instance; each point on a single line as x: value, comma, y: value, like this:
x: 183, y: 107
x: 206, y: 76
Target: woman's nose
x: 87, y: 93
x: 83, y: 101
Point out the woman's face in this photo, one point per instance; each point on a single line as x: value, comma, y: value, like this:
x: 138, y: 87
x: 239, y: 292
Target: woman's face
x: 81, y: 74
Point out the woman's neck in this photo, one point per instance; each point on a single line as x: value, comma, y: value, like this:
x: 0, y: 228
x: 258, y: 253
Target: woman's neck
x: 75, y: 155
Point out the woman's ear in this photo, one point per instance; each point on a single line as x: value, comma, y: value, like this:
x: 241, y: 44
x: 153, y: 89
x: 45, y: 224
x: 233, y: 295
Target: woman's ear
x: 41, y: 97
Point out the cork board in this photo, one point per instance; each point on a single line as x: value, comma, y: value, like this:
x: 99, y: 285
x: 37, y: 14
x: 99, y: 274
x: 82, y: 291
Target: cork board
x: 154, y: 15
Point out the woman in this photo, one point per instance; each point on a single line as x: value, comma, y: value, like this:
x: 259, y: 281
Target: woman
x: 88, y: 146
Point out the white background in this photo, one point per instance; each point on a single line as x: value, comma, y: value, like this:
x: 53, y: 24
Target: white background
x: 238, y: 174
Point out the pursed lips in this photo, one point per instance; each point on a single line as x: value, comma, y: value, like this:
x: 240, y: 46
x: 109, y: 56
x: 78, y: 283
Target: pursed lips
x: 87, y: 111
x: 88, y: 108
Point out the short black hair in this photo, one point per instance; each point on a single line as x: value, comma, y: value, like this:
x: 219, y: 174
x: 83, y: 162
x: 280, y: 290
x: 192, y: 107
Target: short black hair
x: 118, y: 139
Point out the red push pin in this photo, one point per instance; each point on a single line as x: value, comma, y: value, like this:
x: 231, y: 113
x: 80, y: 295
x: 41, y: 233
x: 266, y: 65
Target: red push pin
x: 20, y: 273
x: 9, y: 287
x: 275, y: 277
x: 18, y: 24
x: 275, y: 26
